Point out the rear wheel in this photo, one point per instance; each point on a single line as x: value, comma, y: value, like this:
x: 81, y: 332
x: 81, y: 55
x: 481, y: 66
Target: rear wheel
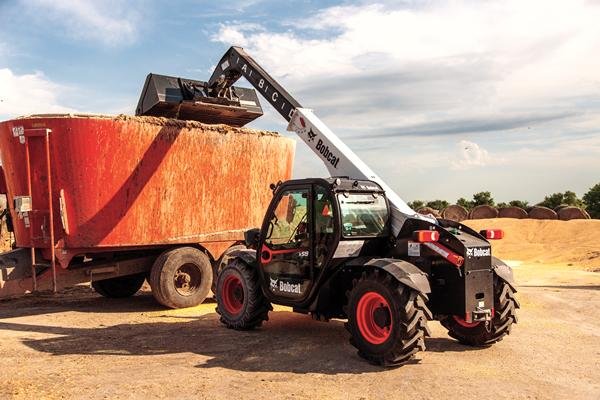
x: 480, y: 333
x: 240, y: 300
x: 387, y: 320
x: 121, y: 287
x: 181, y: 277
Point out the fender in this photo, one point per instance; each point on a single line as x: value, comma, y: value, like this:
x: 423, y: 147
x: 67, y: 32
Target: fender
x: 246, y: 255
x: 405, y: 272
x: 503, y: 272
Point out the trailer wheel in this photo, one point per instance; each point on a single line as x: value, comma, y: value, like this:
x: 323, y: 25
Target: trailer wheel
x: 121, y: 287
x: 387, y: 320
x: 222, y: 263
x: 181, y: 277
x: 240, y: 300
x: 477, y: 333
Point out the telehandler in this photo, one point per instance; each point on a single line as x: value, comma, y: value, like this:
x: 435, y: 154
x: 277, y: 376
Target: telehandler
x: 349, y: 247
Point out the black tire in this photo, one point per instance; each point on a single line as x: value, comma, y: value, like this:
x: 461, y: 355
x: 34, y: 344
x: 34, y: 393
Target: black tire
x: 505, y: 306
x: 121, y: 287
x: 181, y: 277
x: 222, y: 263
x: 395, y: 331
x: 240, y: 300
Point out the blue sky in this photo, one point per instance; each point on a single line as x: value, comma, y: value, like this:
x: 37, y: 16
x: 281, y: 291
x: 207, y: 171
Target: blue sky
x: 442, y: 99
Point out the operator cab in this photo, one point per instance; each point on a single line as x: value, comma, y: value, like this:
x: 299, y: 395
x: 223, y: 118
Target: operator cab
x: 313, y: 224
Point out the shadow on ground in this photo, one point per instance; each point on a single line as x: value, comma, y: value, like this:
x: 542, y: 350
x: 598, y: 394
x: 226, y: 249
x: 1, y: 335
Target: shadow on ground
x: 80, y: 299
x: 287, y: 343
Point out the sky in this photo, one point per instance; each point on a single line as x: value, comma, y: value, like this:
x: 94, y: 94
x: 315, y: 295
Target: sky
x: 442, y: 99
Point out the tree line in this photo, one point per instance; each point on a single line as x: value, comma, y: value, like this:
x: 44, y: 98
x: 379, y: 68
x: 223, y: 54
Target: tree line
x: 590, y: 201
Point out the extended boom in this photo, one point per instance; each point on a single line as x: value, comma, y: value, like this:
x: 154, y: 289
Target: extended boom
x: 338, y: 158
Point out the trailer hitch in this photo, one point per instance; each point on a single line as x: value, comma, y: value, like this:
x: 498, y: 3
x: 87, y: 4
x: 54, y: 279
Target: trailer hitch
x: 483, y: 315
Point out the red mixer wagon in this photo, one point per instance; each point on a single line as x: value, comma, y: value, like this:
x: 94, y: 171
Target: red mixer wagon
x: 117, y: 200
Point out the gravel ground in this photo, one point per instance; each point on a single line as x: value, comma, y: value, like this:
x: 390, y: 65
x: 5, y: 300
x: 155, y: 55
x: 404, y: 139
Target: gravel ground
x: 79, y: 345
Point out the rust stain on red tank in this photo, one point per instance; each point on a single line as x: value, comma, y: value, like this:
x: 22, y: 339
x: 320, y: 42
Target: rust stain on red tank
x: 140, y: 181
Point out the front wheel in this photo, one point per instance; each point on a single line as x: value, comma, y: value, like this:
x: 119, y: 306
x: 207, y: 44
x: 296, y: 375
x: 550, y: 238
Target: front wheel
x: 387, y: 320
x: 480, y: 333
x: 222, y: 263
x: 240, y: 300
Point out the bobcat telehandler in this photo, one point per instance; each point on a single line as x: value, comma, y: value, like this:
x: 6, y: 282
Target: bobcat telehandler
x: 346, y: 247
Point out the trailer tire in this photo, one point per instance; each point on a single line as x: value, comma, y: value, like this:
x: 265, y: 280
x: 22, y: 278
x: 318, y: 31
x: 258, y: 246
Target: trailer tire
x: 181, y: 277
x: 387, y: 320
x: 240, y: 300
x: 477, y: 334
x: 121, y: 287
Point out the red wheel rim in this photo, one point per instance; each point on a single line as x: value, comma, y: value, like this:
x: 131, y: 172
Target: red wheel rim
x: 464, y: 323
x: 374, y: 318
x: 233, y: 295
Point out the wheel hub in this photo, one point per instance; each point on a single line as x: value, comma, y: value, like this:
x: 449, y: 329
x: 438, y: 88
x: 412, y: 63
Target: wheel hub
x: 232, y: 295
x: 374, y: 318
x: 382, y: 317
x: 187, y: 279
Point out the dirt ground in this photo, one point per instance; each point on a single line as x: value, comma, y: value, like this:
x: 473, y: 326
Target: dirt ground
x: 80, y: 345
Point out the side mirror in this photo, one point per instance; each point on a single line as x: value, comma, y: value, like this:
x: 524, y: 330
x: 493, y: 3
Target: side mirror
x: 251, y: 238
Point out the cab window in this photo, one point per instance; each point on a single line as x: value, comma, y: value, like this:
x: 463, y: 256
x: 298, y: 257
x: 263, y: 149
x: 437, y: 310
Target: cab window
x: 288, y: 224
x: 363, y: 214
x: 324, y: 224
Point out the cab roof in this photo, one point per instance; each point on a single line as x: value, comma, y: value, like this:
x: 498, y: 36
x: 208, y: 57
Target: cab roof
x: 339, y: 184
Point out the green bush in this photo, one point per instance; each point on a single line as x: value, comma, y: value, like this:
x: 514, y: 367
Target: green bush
x: 416, y: 204
x: 567, y: 198
x: 437, y: 204
x: 483, y: 199
x: 464, y: 203
x: 592, y: 201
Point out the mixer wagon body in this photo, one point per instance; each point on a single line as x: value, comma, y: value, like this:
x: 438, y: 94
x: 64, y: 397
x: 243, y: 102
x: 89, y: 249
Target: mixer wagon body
x: 81, y: 187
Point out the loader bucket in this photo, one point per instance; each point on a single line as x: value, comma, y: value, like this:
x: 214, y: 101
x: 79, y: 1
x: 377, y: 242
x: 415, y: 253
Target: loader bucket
x: 185, y: 99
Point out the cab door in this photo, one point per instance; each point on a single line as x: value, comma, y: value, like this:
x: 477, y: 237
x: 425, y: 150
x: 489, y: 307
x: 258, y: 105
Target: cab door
x: 285, y: 252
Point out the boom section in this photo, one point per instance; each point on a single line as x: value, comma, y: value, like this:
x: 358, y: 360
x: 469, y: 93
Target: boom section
x: 337, y: 157
x: 340, y: 160
x: 237, y: 63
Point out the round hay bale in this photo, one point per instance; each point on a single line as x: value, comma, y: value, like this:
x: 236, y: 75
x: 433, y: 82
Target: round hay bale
x: 558, y: 208
x: 569, y: 213
x: 539, y: 212
x: 455, y: 213
x: 429, y: 210
x: 483, y: 212
x: 512, y: 212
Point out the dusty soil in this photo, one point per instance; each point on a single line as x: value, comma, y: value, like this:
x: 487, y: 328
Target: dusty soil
x: 79, y: 345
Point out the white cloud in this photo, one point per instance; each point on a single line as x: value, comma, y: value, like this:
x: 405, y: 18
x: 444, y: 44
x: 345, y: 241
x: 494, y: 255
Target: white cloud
x: 235, y: 33
x: 460, y: 58
x: 110, y: 22
x: 29, y: 94
x: 404, y: 82
x: 471, y: 155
